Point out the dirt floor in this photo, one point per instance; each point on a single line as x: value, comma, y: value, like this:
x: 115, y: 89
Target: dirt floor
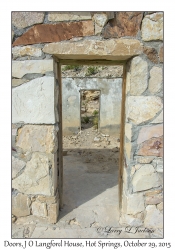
x: 90, y: 191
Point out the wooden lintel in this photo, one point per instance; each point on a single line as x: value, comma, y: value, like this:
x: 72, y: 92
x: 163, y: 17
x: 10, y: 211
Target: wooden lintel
x: 90, y: 62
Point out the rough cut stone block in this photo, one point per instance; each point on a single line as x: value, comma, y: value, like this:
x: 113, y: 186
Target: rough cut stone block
x: 40, y: 138
x: 39, y: 209
x: 153, y: 200
x: 133, y: 204
x: 49, y: 33
x: 152, y: 27
x: 155, y: 81
x: 35, y: 178
x: 124, y: 24
x: 53, y: 212
x: 20, y: 205
x: 151, y: 54
x: 26, y: 51
x: 159, y: 118
x: 145, y: 178
x: 147, y: 133
x: 33, y: 102
x: 153, y: 146
x: 100, y: 20
x: 20, y: 68
x: 17, y: 166
x: 23, y: 19
x: 112, y: 49
x: 68, y: 16
x: 154, y: 218
x: 143, y: 108
x: 145, y: 159
x: 139, y: 74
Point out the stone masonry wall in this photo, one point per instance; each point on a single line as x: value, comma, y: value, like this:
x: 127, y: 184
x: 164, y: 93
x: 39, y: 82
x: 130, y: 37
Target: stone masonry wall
x: 36, y: 36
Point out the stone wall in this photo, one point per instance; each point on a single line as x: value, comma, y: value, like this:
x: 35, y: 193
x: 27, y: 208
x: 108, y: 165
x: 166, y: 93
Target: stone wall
x: 136, y: 38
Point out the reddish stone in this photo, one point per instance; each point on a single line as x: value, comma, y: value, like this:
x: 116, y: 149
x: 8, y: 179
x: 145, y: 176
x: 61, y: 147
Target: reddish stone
x: 124, y: 24
x: 48, y: 33
x: 151, y: 54
x: 154, y: 146
x: 161, y: 54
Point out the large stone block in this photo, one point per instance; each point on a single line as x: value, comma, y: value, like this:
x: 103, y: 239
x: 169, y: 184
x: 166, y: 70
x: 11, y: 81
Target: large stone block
x: 35, y: 179
x: 112, y: 49
x: 20, y: 205
x: 133, y: 204
x: 139, y: 74
x: 145, y: 178
x: 21, y: 68
x: 152, y: 27
x: 39, y: 138
x: 154, y: 218
x: 142, y: 108
x: 124, y: 24
x: 53, y: 212
x: 26, y: 51
x: 17, y: 166
x: 23, y: 19
x: 153, y: 146
x: 147, y: 133
x: 49, y: 33
x: 39, y: 209
x: 68, y: 16
x: 33, y: 102
x: 155, y: 81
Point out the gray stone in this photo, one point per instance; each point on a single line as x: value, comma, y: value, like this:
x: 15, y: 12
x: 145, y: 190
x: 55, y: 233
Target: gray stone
x: 20, y: 205
x: 152, y: 27
x: 33, y: 102
x: 155, y: 82
x: 17, y: 82
x: 35, y: 178
x: 17, y: 166
x: 126, y: 219
x: 39, y: 209
x: 139, y: 74
x: 21, y: 68
x: 142, y: 108
x: 145, y: 178
x: 23, y: 19
x: 154, y: 218
x: 69, y: 16
x: 133, y: 204
x: 26, y: 51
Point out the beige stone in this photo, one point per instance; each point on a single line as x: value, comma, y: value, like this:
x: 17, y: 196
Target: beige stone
x: 126, y: 219
x: 153, y: 193
x: 155, y: 81
x: 145, y: 178
x: 152, y: 27
x: 128, y: 147
x: 159, y: 118
x: 145, y: 159
x: 152, y: 147
x: 35, y: 178
x: 100, y: 20
x: 112, y: 49
x: 128, y: 82
x: 39, y: 209
x: 68, y: 16
x: 161, y: 54
x: 154, y: 218
x: 23, y: 19
x: 47, y: 199
x: 41, y: 138
x: 17, y: 82
x: 147, y: 133
x: 128, y: 130
x: 26, y: 51
x: 53, y: 212
x: 17, y: 166
x: 160, y: 206
x: 21, y: 205
x: 142, y: 108
x: 139, y: 75
x: 133, y: 170
x: 21, y: 68
x: 133, y: 204
x: 153, y: 200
